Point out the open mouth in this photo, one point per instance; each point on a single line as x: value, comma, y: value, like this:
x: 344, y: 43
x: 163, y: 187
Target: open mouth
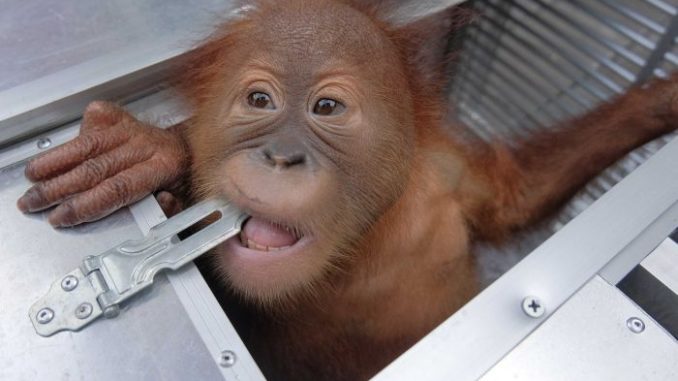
x: 261, y: 235
x: 269, y: 258
x: 260, y: 239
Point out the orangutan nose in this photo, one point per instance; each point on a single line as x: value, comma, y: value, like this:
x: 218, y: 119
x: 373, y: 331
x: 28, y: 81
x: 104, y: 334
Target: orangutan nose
x: 284, y: 159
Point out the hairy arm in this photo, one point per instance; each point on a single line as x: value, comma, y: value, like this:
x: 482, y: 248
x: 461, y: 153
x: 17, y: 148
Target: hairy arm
x: 528, y: 182
x: 115, y: 161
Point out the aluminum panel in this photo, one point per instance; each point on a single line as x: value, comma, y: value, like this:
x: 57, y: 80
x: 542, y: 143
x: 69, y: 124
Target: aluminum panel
x: 42, y: 37
x: 588, y: 339
x: 58, y: 56
x: 149, y: 339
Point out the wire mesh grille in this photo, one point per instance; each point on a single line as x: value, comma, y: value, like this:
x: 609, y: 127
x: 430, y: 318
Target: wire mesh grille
x: 528, y: 64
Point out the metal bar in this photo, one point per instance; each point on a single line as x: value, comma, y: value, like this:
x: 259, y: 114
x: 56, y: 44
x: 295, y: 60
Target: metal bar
x: 473, y: 80
x: 611, y: 85
x: 659, y: 73
x: 621, y: 28
x: 100, y: 79
x: 489, y: 111
x: 501, y: 94
x: 672, y: 58
x: 489, y: 131
x: 495, y: 43
x: 489, y: 62
x: 619, y: 49
x: 539, y: 71
x: 579, y: 45
x: 479, y: 125
x: 496, y: 117
x: 663, y: 6
x: 662, y: 48
x: 633, y: 15
x: 538, y: 51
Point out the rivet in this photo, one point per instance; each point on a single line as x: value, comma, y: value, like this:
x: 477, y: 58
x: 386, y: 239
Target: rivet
x: 533, y: 307
x: 44, y: 143
x: 111, y: 311
x: 69, y: 283
x: 227, y: 359
x: 45, y: 316
x: 83, y: 311
x: 635, y: 325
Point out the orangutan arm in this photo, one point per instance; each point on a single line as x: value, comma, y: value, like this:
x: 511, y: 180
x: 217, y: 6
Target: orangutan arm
x: 531, y: 180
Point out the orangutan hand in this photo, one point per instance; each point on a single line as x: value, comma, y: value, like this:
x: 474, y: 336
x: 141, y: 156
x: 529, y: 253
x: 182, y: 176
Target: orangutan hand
x: 116, y: 161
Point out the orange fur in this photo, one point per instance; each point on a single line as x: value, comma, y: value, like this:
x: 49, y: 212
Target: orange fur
x: 410, y: 266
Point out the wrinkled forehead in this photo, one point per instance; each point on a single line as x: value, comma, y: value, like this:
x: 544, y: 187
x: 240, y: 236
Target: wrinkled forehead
x: 308, y: 35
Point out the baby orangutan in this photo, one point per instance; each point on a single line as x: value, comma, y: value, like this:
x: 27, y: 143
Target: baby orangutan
x: 327, y: 124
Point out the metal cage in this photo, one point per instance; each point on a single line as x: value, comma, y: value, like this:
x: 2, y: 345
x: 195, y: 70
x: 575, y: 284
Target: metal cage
x: 527, y: 65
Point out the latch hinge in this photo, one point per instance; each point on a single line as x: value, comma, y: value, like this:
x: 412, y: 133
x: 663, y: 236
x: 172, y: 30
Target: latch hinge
x: 104, y: 281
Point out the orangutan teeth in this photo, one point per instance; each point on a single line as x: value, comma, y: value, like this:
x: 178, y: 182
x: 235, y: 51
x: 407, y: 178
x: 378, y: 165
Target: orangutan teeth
x: 255, y: 246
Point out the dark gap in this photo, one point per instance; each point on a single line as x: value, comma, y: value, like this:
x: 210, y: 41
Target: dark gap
x: 198, y: 226
x: 653, y: 297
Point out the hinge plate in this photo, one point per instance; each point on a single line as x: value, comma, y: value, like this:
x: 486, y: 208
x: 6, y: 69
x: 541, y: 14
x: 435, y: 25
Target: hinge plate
x: 104, y: 281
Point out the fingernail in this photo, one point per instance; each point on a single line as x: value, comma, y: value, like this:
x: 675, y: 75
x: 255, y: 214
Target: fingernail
x: 63, y: 216
x: 95, y: 106
x: 29, y: 172
x: 22, y: 204
x: 27, y: 202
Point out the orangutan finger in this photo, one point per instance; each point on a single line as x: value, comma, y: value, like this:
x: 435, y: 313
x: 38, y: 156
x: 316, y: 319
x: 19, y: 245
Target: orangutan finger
x: 169, y: 203
x: 83, y: 177
x: 125, y: 188
x: 66, y: 157
x: 99, y: 115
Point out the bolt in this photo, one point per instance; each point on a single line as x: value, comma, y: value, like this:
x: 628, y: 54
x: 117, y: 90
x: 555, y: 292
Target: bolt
x: 45, y: 316
x: 69, y: 283
x: 533, y: 307
x: 83, y: 311
x: 227, y: 359
x: 44, y: 143
x: 635, y: 325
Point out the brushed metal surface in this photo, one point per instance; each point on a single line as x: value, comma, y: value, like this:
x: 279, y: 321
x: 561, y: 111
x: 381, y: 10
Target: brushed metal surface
x: 57, y: 56
x: 152, y: 339
x: 588, y: 339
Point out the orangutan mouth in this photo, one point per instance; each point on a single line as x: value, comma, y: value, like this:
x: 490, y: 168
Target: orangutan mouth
x: 262, y: 235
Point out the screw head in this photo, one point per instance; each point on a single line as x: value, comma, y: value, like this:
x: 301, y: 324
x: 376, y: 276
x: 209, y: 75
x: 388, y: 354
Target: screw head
x: 83, y: 311
x: 635, y: 325
x: 44, y: 143
x: 69, y: 283
x: 227, y: 359
x: 533, y: 307
x: 44, y: 316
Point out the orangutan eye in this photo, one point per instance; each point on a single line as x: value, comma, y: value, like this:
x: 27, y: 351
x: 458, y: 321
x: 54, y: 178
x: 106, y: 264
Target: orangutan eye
x: 327, y: 107
x: 260, y: 100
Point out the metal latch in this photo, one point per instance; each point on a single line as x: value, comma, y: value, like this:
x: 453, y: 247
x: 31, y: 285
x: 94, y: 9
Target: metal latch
x: 104, y: 281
